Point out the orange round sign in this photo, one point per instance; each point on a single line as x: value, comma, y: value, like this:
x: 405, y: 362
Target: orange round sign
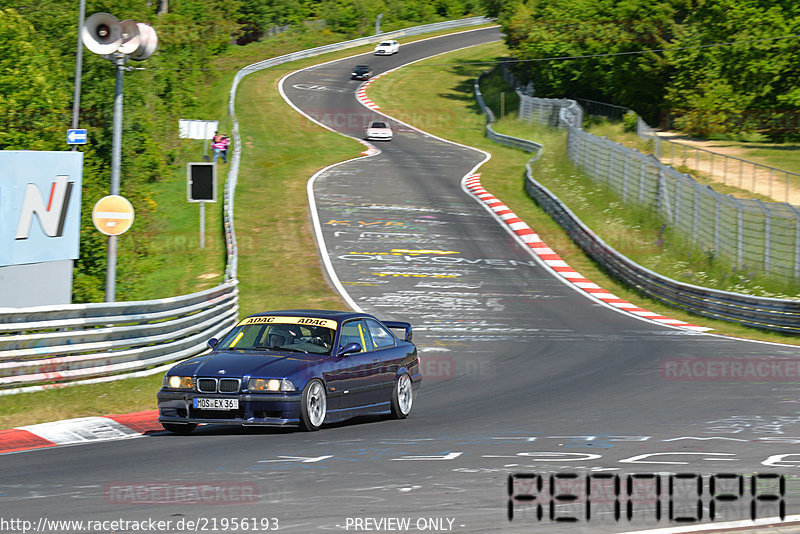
x: 112, y: 215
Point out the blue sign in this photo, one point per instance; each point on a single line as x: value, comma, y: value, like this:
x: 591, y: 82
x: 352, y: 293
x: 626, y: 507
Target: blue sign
x: 76, y: 137
x: 40, y: 206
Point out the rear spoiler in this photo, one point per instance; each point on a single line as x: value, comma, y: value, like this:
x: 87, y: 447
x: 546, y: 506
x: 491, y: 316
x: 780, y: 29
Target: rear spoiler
x: 400, y: 325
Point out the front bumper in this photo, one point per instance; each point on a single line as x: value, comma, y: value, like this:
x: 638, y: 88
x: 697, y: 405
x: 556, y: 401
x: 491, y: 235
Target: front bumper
x: 271, y: 409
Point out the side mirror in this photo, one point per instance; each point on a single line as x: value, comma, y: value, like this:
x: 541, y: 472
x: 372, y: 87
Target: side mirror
x: 350, y: 348
x: 212, y: 343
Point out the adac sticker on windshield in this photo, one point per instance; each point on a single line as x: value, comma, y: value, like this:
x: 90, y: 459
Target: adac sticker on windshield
x: 276, y: 319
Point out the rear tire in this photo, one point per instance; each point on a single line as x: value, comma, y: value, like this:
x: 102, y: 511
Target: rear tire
x: 179, y: 428
x: 313, y: 406
x: 402, y: 397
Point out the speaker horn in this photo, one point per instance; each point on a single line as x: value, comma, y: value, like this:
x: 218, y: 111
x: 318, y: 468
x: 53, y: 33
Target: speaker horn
x: 130, y: 37
x: 148, y: 42
x: 102, y: 33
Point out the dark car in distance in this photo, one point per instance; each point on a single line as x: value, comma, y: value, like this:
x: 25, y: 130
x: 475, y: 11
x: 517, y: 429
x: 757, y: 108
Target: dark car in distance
x: 295, y: 367
x: 361, y: 72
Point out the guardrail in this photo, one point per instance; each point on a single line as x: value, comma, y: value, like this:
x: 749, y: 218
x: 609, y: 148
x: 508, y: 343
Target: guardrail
x: 759, y: 312
x: 45, y: 347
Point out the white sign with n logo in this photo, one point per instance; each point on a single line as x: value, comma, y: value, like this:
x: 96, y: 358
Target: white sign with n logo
x: 52, y: 213
x: 40, y: 206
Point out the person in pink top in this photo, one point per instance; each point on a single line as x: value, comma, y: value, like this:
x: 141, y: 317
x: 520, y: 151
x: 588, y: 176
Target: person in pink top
x: 220, y: 146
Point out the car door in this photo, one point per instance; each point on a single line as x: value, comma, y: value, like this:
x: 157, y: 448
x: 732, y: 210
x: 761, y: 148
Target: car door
x: 388, y: 355
x: 359, y: 376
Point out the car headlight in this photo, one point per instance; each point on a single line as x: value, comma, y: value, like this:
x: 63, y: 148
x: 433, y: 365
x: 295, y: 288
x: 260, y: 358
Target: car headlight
x: 270, y: 384
x: 179, y: 382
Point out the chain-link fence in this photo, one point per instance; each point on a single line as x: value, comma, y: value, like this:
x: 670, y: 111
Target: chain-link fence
x: 745, y: 174
x: 754, y: 235
x: 780, y: 315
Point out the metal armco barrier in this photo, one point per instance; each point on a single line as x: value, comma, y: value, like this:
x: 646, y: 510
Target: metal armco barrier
x: 40, y: 346
x: 778, y: 315
x: 45, y: 347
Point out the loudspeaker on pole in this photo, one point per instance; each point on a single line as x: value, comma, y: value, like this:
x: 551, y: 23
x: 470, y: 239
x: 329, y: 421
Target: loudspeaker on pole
x: 102, y: 33
x: 130, y: 37
x: 148, y: 42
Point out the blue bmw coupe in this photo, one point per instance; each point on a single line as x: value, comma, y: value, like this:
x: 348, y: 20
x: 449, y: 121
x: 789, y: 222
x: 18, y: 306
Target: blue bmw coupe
x: 294, y: 367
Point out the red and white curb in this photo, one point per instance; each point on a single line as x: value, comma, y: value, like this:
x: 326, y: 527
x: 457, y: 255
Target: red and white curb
x: 361, y: 94
x: 78, y: 431
x: 558, y: 265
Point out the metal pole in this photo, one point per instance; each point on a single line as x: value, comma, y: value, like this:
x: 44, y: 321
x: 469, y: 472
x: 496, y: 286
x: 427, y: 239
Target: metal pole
x: 202, y: 225
x: 116, y: 136
x: 76, y: 98
x: 205, y: 141
x: 116, y: 163
x: 378, y: 24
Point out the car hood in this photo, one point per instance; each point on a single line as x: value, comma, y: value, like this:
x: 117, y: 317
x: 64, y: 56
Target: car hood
x: 236, y: 364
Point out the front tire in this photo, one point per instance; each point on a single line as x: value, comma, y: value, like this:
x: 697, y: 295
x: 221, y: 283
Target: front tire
x: 402, y: 397
x: 179, y: 428
x: 313, y: 406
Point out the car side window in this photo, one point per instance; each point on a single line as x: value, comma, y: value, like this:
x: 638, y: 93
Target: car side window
x: 380, y: 335
x: 356, y: 332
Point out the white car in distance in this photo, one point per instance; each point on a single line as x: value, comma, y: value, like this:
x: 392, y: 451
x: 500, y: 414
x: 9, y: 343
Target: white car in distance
x: 379, y: 131
x: 387, y: 48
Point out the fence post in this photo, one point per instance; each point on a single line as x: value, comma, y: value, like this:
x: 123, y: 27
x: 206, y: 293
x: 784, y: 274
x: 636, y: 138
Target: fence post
x: 770, y: 182
x: 677, y: 216
x: 767, y: 235
x: 611, y: 167
x: 642, y: 176
x: 786, y: 196
x: 695, y: 213
x: 739, y: 230
x: 741, y: 172
x: 697, y: 159
x: 662, y: 195
x: 796, y: 240
x: 711, y: 168
x: 725, y: 170
x: 716, y: 220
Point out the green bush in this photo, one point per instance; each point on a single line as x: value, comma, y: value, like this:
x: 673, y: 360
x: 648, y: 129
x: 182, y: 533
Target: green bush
x: 630, y: 121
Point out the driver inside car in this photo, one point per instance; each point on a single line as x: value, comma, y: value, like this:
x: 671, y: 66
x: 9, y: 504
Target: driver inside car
x: 280, y: 335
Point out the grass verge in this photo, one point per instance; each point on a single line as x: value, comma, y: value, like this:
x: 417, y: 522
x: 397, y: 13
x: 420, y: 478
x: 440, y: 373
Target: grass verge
x: 443, y: 104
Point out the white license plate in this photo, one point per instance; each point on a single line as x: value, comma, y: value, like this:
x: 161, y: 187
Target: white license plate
x: 216, y: 404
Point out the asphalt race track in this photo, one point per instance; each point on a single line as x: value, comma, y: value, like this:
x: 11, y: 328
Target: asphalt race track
x: 523, y: 375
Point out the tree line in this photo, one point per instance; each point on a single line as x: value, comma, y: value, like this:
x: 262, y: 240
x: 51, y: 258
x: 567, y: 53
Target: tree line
x: 717, y: 66
x: 37, y: 64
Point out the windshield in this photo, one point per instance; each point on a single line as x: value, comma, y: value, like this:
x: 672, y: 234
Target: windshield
x: 362, y: 68
x: 385, y: 43
x: 295, y: 334
x: 377, y: 125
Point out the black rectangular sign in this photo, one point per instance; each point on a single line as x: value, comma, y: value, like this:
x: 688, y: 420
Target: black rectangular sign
x: 202, y: 182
